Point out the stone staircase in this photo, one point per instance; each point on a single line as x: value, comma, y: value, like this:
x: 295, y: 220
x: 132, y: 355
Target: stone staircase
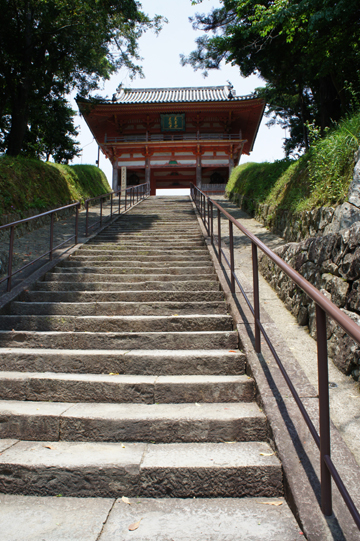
x: 121, y: 375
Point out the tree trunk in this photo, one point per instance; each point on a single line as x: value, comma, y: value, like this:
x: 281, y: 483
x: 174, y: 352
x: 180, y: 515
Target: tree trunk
x: 19, y: 120
x: 330, y: 105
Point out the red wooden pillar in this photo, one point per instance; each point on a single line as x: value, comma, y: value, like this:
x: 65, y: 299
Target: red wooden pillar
x: 152, y: 184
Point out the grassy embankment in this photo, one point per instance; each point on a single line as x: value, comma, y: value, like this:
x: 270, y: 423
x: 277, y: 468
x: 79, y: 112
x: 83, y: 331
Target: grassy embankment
x: 319, y: 178
x: 32, y: 184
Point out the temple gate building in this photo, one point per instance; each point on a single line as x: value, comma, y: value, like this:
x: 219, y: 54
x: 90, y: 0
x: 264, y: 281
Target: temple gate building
x: 170, y: 137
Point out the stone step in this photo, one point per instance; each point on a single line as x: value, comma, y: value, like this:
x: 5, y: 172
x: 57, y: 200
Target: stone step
x: 156, y: 308
x: 161, y: 285
x: 160, y: 423
x: 178, y: 519
x: 166, y: 245
x: 198, y: 260
x: 121, y: 296
x: 141, y: 362
x: 89, y: 249
x: 120, y: 340
x: 153, y: 324
x: 125, y: 388
x: 130, y: 262
x: 183, y: 470
x: 134, y: 270
x: 117, y: 277
x: 144, y: 234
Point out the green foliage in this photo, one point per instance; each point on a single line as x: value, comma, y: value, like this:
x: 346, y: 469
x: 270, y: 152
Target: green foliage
x: 309, y: 62
x: 51, y: 131
x: 319, y: 178
x: 26, y: 184
x: 50, y: 47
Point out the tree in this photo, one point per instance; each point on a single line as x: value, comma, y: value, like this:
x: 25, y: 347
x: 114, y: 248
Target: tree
x: 49, y: 47
x: 300, y: 48
x: 51, y: 131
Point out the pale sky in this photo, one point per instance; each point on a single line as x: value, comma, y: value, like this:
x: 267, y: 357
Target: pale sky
x: 161, y: 66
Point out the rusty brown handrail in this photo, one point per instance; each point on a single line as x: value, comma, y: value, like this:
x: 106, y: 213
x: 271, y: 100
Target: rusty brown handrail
x: 205, y: 206
x: 50, y: 252
x: 136, y: 194
x: 139, y: 192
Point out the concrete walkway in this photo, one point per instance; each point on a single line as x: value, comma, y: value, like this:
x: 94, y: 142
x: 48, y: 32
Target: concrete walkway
x: 344, y: 394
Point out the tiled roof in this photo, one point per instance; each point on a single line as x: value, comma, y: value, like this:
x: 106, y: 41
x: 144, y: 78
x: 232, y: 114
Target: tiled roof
x: 178, y: 95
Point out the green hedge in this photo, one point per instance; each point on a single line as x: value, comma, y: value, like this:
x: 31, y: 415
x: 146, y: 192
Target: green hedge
x: 27, y: 184
x: 319, y: 178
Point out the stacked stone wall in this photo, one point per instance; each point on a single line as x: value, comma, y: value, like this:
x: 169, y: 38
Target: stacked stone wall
x: 329, y: 259
x: 332, y: 264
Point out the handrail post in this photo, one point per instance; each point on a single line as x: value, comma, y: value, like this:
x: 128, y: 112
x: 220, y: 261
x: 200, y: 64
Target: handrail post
x: 256, y: 297
x: 324, y: 413
x: 111, y: 205
x: 77, y: 224
x: 119, y: 201
x: 51, y: 235
x: 125, y: 199
x: 219, y: 236
x: 232, y: 260
x: 101, y: 201
x: 11, y: 249
x: 208, y: 216
x: 87, y: 219
x: 212, y: 223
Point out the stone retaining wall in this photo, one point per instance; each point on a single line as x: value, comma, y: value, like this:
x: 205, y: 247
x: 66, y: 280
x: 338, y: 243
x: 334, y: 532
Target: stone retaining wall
x: 326, y: 251
x: 295, y: 227
x: 332, y: 264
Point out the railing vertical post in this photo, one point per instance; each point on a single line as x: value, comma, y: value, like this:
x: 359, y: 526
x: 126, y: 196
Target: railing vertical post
x: 256, y: 297
x: 125, y: 199
x: 111, y: 205
x: 11, y: 249
x: 219, y: 236
x: 51, y: 235
x: 208, y: 216
x: 101, y: 211
x: 324, y: 413
x: 87, y: 219
x: 232, y: 260
x: 119, y: 202
x: 77, y: 224
x: 212, y: 223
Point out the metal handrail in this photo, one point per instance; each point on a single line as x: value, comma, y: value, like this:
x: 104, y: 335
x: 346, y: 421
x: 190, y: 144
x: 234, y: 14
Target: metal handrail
x: 52, y: 248
x: 134, y: 193
x: 205, y: 206
x: 138, y: 192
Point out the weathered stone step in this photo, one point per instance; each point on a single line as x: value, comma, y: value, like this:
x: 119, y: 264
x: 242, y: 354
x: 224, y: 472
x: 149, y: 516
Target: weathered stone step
x: 120, y: 340
x: 180, y: 470
x: 160, y: 423
x: 138, y: 264
x: 166, y: 245
x: 121, y: 296
x: 161, y: 285
x: 89, y: 249
x: 134, y: 270
x: 173, y: 323
x: 177, y: 519
x: 188, y: 259
x: 77, y: 308
x: 117, y: 277
x: 141, y: 362
x: 125, y: 388
x: 144, y: 234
